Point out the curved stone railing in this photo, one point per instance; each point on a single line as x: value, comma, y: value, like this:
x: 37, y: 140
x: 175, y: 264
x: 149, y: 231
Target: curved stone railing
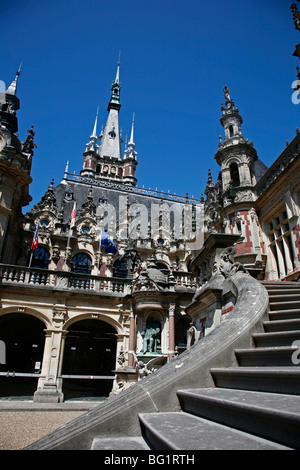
x: 118, y: 416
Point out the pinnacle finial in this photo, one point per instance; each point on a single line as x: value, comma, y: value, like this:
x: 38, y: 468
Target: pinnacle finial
x: 94, y: 134
x: 12, y: 89
x: 117, y: 79
x: 226, y: 93
x: 131, y: 141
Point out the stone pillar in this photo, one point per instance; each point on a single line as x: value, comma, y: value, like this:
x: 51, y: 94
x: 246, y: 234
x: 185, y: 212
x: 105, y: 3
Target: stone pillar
x: 171, y: 331
x: 50, y: 382
x: 131, y: 340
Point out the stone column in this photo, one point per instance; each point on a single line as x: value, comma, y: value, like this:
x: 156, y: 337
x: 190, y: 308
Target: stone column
x: 171, y: 331
x: 131, y: 340
x: 50, y: 383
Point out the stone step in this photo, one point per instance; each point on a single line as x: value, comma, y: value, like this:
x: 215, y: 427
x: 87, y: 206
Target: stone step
x: 284, y: 314
x: 284, y: 305
x: 120, y: 443
x: 268, y: 415
x: 282, y: 325
x: 278, y: 338
x: 269, y: 285
x: 284, y: 297
x: 288, y: 291
x: 274, y: 356
x: 183, y: 431
x: 266, y: 379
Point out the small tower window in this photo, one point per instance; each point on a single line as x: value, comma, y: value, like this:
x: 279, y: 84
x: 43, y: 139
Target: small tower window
x: 231, y: 131
x: 234, y: 174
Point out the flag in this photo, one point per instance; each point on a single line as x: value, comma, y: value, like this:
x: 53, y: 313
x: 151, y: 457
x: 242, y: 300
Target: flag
x: 73, y: 216
x: 35, y: 240
x: 109, y: 246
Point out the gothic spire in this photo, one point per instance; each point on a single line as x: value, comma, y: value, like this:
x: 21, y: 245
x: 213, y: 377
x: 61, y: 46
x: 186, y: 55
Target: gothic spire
x: 92, y: 145
x: 12, y: 89
x: 115, y: 90
x: 131, y: 141
x: 130, y: 148
x: 94, y: 134
x: 110, y: 146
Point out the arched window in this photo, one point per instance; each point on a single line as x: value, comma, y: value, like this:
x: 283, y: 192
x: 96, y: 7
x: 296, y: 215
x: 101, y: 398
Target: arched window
x: 231, y: 131
x: 234, y: 174
x: 40, y: 258
x: 81, y: 263
x: 120, y: 268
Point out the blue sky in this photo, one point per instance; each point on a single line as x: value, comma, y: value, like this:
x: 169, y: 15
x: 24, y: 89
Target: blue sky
x: 176, y: 56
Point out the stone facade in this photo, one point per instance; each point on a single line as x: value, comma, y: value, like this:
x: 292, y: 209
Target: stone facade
x: 89, y: 321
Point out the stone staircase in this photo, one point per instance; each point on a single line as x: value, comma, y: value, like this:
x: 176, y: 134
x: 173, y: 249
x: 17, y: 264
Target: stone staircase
x: 255, y: 405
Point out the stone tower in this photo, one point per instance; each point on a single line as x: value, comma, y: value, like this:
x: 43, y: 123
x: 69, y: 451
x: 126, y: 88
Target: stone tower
x: 230, y: 202
x: 104, y: 160
x: 15, y: 167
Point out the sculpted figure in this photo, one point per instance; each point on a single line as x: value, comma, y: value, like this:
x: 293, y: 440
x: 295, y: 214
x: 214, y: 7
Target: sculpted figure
x: 151, y: 336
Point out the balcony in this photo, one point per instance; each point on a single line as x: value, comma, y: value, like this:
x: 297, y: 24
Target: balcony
x: 62, y: 280
x: 22, y: 276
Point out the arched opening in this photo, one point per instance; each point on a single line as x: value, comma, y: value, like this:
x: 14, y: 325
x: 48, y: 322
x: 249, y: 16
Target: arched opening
x: 234, y: 174
x: 231, y: 131
x: 24, y: 339
x: 120, y: 268
x: 89, y: 359
x: 40, y: 258
x: 81, y: 263
x: 181, y: 328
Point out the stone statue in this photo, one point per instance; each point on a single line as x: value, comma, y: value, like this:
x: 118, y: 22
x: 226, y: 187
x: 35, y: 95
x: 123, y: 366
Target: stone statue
x: 151, y: 337
x: 29, y: 145
x: 226, y: 266
x: 192, y: 335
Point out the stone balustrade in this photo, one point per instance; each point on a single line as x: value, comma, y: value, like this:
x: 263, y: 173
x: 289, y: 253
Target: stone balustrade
x: 35, y: 277
x: 21, y: 275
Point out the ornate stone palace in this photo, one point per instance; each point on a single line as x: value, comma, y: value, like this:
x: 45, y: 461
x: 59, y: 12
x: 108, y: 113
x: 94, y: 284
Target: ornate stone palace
x: 99, y: 279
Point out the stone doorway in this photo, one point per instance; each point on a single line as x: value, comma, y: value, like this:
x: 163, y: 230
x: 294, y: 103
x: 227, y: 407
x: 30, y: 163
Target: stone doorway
x: 89, y: 360
x: 24, y: 339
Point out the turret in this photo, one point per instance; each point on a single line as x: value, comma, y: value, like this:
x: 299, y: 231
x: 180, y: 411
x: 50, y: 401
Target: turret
x: 91, y: 153
x: 15, y: 167
x: 236, y: 155
x: 130, y: 159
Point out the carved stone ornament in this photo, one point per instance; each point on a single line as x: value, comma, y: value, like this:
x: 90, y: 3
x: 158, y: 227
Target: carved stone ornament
x: 60, y: 315
x: 226, y: 266
x: 144, y: 283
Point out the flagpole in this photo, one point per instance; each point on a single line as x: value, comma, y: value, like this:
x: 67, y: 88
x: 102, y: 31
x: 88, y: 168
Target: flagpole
x: 34, y: 243
x: 73, y: 215
x: 30, y: 259
x: 99, y: 252
x: 68, y: 244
